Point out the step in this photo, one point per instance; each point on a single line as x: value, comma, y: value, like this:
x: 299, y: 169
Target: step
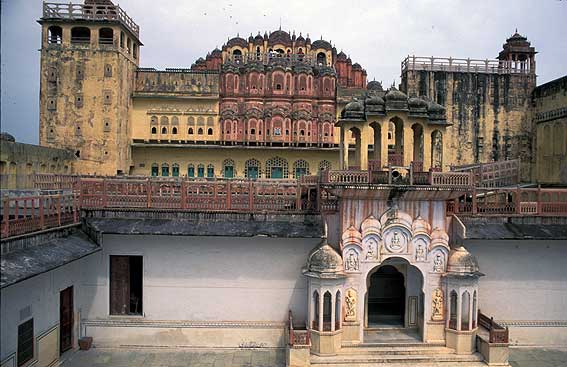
x: 397, y: 350
x: 404, y: 359
x: 393, y: 344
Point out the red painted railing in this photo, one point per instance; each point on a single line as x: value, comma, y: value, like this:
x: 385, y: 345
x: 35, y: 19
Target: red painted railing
x: 297, y: 337
x: 21, y: 215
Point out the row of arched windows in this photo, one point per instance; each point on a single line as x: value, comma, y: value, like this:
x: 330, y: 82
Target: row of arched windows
x: 468, y: 311
x: 275, y: 167
x: 174, y: 131
x: 191, y: 121
x: 323, y: 321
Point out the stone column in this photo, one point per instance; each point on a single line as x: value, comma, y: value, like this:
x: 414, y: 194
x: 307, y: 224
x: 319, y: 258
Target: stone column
x: 362, y: 149
x: 333, y: 311
x: 459, y: 310
x: 384, y: 146
x: 344, y: 139
x: 408, y: 143
x: 341, y: 150
x: 426, y: 149
x: 320, y: 305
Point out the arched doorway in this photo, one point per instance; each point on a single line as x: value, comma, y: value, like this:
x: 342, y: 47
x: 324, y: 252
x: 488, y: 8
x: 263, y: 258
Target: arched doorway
x: 386, y: 298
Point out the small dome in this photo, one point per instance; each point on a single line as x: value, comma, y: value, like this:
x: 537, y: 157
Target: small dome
x: 370, y: 225
x: 395, y: 216
x: 321, y: 44
x: 354, y: 106
x: 216, y: 52
x: 462, y: 262
x: 324, y: 260
x: 237, y: 41
x: 251, y: 38
x: 439, y: 237
x: 341, y: 56
x: 356, y: 66
x: 351, y: 236
x: 420, y: 225
x: 374, y: 85
x: 374, y: 101
x: 395, y: 95
x: 435, y: 108
x: 417, y: 103
x: 281, y: 37
x: 4, y: 136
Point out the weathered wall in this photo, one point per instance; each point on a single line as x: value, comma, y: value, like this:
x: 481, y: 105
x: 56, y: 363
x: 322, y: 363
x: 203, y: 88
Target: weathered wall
x: 145, y: 156
x: 489, y: 112
x: 85, y: 97
x: 549, y: 115
x: 19, y: 161
x: 202, y: 279
x: 41, y: 294
x: 525, y: 287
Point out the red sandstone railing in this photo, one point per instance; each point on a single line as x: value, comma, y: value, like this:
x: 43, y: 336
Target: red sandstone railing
x: 511, y: 201
x: 27, y: 214
x: 452, y: 179
x: 494, y: 174
x: 297, y: 337
x: 497, y: 333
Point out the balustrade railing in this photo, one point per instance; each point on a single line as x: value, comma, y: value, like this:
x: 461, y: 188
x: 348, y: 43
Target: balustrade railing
x: 297, y: 337
x: 497, y: 333
x: 21, y: 215
x: 465, y: 65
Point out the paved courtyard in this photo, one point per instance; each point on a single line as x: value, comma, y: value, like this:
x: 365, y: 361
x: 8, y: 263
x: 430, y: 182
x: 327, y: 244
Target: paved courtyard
x: 519, y: 357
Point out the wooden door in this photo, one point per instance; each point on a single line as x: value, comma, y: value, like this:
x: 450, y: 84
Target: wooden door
x: 66, y: 319
x: 119, y: 285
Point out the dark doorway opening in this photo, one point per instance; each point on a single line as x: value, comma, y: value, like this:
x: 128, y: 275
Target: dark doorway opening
x: 126, y: 278
x: 65, y: 319
x: 386, y: 298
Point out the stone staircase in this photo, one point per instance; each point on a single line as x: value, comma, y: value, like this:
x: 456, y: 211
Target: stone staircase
x: 397, y: 355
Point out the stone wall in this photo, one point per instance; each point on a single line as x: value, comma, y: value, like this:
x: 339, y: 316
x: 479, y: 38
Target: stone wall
x: 549, y: 115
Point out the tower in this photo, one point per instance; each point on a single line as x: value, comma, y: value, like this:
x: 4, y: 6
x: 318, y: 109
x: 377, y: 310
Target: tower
x: 518, y: 54
x: 89, y: 56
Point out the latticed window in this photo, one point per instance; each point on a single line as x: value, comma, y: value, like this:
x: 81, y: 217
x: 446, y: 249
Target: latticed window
x: 175, y: 170
x: 165, y: 169
x: 210, y: 170
x: 252, y: 168
x: 300, y: 168
x: 190, y: 170
x: 324, y: 165
x: 155, y: 169
x: 277, y: 167
x: 228, y: 168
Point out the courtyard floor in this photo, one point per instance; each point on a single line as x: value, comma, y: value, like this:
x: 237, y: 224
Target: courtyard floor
x: 96, y: 357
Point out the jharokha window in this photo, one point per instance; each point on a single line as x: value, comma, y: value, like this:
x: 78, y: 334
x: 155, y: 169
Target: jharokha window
x: 126, y: 274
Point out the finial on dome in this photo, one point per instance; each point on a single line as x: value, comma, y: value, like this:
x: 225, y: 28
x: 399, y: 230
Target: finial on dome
x: 237, y: 34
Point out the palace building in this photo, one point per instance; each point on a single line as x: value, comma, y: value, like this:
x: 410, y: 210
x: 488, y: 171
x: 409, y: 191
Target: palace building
x: 270, y: 198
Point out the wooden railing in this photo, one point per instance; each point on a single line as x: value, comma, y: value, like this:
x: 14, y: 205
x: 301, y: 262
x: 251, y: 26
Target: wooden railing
x: 21, y: 215
x: 497, y: 333
x: 494, y: 174
x: 297, y: 337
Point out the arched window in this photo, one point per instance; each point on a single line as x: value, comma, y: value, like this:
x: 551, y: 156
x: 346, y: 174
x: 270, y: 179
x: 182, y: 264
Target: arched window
x: 210, y: 171
x: 153, y: 120
x: 324, y: 165
x: 105, y: 36
x: 154, y: 130
x: 200, y: 121
x: 128, y: 45
x: 80, y: 35
x: 200, y: 131
x: 252, y: 131
x: 465, y: 311
x: 209, y: 131
x: 315, y: 310
x: 55, y: 35
x: 165, y: 169
x: 338, y: 310
x: 190, y: 131
x: 210, y: 121
x: 155, y: 169
x: 277, y: 167
x: 300, y: 168
x: 474, y: 311
x: 252, y: 169
x: 164, y: 130
x: 200, y: 170
x: 327, y: 304
x: 190, y: 170
x: 122, y: 35
x: 228, y: 168
x: 453, y: 311
x: 174, y: 130
x: 175, y: 120
x: 191, y: 121
x: 321, y: 59
x: 164, y: 120
x: 175, y: 170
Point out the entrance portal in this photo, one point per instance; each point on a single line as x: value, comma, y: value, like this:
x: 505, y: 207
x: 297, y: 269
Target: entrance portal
x: 386, y: 298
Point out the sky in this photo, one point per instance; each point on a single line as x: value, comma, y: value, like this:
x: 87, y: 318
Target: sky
x: 378, y: 34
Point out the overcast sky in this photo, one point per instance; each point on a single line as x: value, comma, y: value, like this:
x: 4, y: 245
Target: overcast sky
x: 378, y: 34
